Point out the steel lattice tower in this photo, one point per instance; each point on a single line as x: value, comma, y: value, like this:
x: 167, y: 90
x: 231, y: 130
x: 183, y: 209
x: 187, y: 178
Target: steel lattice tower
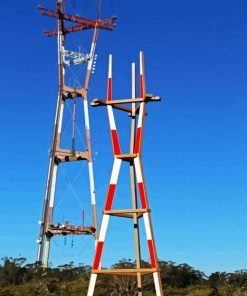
x: 137, y: 112
x: 59, y: 155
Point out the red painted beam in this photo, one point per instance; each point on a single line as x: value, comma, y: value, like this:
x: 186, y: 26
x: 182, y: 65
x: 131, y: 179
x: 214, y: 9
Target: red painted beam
x: 107, y: 24
x: 67, y: 30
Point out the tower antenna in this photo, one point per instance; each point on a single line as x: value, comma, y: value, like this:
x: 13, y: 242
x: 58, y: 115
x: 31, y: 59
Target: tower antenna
x: 59, y: 155
x: 98, y: 9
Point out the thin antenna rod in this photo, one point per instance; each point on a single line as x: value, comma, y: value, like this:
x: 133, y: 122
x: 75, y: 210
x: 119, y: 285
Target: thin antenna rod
x: 63, y: 3
x: 73, y: 126
x: 98, y: 9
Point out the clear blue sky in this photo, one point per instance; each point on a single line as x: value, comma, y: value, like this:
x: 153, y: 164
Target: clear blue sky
x: 195, y: 153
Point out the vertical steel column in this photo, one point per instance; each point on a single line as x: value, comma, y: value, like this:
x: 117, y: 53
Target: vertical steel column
x: 58, y: 128
x: 44, y: 244
x: 88, y: 134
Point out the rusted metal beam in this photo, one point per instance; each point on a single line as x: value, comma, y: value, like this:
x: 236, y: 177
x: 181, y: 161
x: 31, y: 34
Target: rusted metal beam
x: 59, y: 230
x: 107, y: 24
x: 67, y: 30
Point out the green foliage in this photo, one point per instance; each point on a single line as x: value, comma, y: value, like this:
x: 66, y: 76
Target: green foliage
x: 231, y: 284
x: 180, y: 276
x: 20, y: 279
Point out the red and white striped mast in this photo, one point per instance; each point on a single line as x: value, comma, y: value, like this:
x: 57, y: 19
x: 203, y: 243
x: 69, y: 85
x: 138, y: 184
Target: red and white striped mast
x: 136, y: 110
x: 58, y: 155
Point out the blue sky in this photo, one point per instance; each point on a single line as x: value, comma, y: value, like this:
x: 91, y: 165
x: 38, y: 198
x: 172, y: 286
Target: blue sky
x: 194, y: 154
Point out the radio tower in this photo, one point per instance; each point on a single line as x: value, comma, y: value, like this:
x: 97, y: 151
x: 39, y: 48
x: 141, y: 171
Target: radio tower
x: 59, y: 155
x: 140, y: 206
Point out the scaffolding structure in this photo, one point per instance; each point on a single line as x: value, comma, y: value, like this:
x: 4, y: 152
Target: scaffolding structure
x: 136, y: 112
x: 59, y: 155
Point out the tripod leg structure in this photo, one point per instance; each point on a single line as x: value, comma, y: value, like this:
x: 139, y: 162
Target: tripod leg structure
x: 137, y: 184
x: 104, y: 224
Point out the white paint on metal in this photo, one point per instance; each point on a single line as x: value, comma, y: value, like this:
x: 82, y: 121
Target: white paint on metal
x: 48, y: 177
x: 138, y: 170
x: 111, y: 118
x: 62, y: 49
x: 60, y: 120
x: 141, y: 65
x: 92, y: 284
x: 95, y: 245
x: 53, y: 186
x: 115, y: 171
x: 58, y: 47
x: 89, y: 67
x: 110, y: 67
x: 140, y: 117
x: 103, y: 228
x: 46, y: 252
x: 86, y: 114
x: 91, y: 182
x: 147, y: 226
x: 157, y: 284
x: 58, y: 98
x: 39, y: 250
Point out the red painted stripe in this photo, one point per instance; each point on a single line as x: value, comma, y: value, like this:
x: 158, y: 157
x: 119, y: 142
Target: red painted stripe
x: 151, y: 252
x: 109, y: 89
x: 98, y: 254
x: 138, y: 140
x: 142, y: 195
x: 115, y: 142
x: 141, y: 87
x: 110, y: 196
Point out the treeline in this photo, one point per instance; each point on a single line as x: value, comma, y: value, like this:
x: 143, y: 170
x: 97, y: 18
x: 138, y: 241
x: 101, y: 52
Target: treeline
x: 18, y: 278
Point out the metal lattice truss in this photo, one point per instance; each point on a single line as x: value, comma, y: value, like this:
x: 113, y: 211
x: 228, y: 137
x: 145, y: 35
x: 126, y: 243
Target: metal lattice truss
x: 137, y: 109
x: 59, y: 155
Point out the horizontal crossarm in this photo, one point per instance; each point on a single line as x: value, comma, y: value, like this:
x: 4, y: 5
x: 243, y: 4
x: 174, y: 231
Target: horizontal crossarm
x: 127, y: 271
x: 148, y: 98
x: 66, y: 155
x: 60, y: 230
x: 71, y: 92
x: 107, y: 24
x: 128, y: 213
x: 71, y: 29
x: 103, y: 103
x: 126, y: 157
